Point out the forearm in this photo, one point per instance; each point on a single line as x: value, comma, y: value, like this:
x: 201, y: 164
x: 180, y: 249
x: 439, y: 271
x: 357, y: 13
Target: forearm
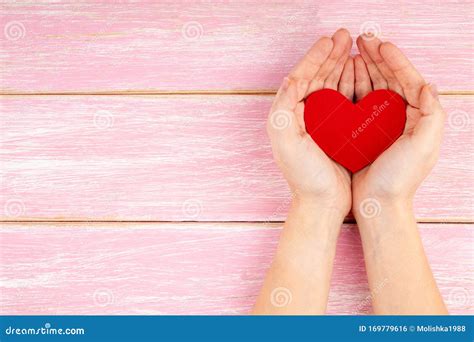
x: 299, y: 277
x: 400, y: 278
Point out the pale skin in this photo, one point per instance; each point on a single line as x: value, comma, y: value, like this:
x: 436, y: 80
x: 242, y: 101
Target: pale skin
x: 324, y: 192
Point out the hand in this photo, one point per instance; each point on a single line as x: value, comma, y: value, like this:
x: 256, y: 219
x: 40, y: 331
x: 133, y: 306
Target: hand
x: 396, y: 174
x: 310, y: 173
x: 298, y: 279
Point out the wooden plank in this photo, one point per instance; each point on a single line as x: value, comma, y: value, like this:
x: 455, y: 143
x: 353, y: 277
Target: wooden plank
x: 168, y: 158
x: 97, y: 46
x: 126, y: 268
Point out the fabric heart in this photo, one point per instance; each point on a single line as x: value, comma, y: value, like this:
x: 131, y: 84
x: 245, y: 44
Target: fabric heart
x: 354, y: 135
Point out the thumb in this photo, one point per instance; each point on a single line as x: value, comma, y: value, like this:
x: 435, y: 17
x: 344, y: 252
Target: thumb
x: 290, y: 93
x: 429, y: 129
x: 282, y: 113
x: 428, y: 97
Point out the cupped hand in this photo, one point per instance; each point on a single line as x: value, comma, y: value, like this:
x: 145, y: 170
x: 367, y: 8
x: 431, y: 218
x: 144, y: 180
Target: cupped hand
x: 310, y: 173
x: 397, y: 173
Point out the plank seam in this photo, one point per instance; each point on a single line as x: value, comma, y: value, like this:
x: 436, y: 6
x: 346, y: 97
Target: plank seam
x: 46, y: 221
x: 213, y: 224
x: 264, y: 92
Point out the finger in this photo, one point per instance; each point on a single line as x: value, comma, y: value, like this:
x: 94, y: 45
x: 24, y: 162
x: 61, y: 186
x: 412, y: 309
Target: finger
x: 312, y: 61
x: 346, y: 84
x: 429, y: 129
x: 333, y: 79
x: 289, y: 94
x: 378, y: 81
x: 363, y: 85
x: 342, y: 42
x: 411, y: 81
x: 372, y: 48
x: 282, y: 114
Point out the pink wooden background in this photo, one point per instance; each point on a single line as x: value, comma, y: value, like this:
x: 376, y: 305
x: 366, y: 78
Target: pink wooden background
x: 119, y: 121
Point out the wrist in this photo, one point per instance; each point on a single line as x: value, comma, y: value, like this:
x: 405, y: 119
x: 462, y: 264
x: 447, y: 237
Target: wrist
x: 370, y: 211
x: 317, y: 221
x: 309, y: 235
x: 319, y: 207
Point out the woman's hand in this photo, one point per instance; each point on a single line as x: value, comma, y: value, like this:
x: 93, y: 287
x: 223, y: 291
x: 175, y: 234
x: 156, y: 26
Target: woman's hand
x: 395, y: 175
x: 398, y: 271
x: 299, y: 277
x: 312, y: 176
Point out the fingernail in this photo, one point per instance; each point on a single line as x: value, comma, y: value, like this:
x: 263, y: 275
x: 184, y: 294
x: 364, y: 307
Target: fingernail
x: 434, y: 90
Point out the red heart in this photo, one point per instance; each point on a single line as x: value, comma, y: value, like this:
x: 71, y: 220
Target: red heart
x: 354, y: 135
